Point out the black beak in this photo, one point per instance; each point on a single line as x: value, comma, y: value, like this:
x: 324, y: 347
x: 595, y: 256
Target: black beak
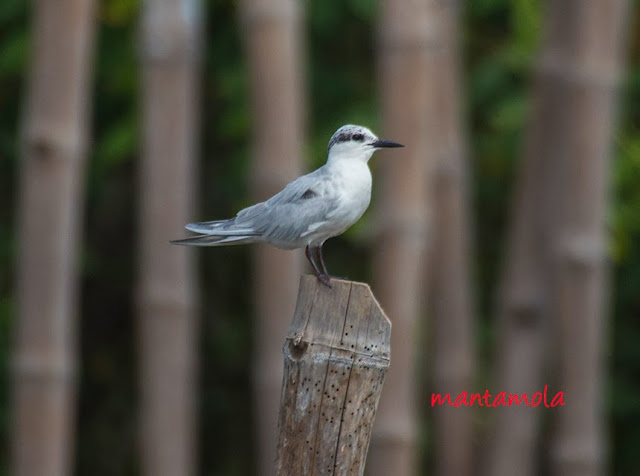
x: 384, y: 143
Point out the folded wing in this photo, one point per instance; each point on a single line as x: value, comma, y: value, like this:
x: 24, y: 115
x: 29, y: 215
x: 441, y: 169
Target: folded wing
x: 283, y: 220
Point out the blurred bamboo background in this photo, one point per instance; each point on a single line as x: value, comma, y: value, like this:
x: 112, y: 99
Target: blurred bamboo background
x: 503, y: 241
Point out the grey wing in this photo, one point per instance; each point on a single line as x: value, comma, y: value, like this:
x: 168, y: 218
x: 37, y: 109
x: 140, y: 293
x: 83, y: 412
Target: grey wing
x: 299, y: 208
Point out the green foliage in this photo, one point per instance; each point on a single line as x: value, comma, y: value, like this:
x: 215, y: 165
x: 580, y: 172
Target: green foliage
x: 497, y: 97
x: 13, y: 53
x: 14, y: 45
x: 624, y: 400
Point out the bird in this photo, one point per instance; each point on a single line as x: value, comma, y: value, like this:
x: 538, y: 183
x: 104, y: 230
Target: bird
x: 311, y: 209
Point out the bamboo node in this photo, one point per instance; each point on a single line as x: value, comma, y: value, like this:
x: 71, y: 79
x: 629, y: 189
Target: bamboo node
x: 297, y: 349
x: 254, y: 14
x: 46, y: 143
x: 525, y: 307
x: 43, y: 367
x: 582, y: 249
x: 602, y: 76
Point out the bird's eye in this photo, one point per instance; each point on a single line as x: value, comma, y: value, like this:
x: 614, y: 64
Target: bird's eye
x: 358, y: 137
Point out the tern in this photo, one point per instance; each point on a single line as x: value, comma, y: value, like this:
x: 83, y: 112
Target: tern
x: 309, y: 210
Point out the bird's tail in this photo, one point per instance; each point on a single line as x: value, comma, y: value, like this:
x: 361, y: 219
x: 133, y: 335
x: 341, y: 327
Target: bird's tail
x: 218, y: 233
x: 214, y: 240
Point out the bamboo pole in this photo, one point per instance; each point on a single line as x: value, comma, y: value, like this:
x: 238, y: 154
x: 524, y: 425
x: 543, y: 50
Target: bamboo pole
x: 524, y: 295
x: 336, y: 355
x: 450, y: 293
x: 405, y: 34
x: 54, y: 143
x: 272, y: 31
x: 167, y: 297
x: 573, y: 98
x: 589, y: 71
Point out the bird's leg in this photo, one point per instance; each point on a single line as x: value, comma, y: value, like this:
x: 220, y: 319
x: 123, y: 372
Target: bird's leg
x: 320, y: 259
x: 309, y: 255
x: 322, y: 276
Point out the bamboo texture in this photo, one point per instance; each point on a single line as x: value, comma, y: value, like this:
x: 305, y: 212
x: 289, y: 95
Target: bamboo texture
x: 565, y: 154
x: 272, y: 31
x: 54, y: 145
x: 336, y: 355
x: 167, y: 297
x: 450, y: 274
x: 524, y: 296
x: 405, y: 35
x: 584, y: 54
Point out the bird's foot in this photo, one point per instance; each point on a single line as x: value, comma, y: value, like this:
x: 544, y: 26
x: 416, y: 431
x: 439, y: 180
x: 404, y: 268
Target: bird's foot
x: 324, y: 279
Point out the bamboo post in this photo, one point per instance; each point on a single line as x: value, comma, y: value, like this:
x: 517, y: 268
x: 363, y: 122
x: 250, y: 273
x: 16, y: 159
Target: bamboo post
x: 336, y: 355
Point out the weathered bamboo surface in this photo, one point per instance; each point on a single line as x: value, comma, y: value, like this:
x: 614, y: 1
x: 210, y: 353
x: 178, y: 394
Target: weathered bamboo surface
x: 336, y: 355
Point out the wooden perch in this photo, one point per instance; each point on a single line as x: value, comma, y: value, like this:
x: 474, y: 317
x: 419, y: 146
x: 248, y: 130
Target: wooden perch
x: 335, y: 359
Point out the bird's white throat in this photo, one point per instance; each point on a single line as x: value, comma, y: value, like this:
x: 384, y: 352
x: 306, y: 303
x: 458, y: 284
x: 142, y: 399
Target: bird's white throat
x: 350, y: 151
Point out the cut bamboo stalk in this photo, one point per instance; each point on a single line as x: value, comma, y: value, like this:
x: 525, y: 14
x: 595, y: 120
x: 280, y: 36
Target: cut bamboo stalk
x: 336, y: 355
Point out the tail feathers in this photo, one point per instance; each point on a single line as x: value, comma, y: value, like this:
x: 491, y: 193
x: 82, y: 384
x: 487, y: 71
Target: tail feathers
x: 214, y: 240
x: 219, y: 228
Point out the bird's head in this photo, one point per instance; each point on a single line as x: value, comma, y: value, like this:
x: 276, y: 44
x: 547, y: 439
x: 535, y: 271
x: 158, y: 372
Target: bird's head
x: 356, y: 143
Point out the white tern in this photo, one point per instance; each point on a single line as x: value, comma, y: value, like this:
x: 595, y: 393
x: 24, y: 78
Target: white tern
x: 309, y: 210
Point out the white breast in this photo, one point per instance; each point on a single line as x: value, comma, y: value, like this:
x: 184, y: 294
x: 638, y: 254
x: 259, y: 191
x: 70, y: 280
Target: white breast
x: 351, y: 186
